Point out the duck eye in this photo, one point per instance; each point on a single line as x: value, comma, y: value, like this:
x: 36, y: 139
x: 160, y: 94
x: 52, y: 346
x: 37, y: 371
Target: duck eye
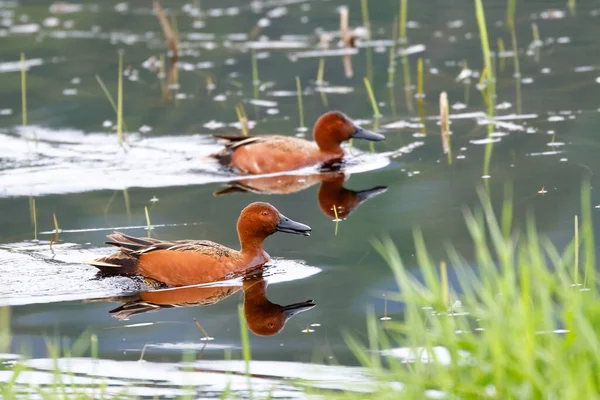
x: 265, y: 213
x: 271, y: 325
x: 341, y: 122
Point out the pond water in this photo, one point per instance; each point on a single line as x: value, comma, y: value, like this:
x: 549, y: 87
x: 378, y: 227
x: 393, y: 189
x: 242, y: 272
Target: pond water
x: 69, y: 162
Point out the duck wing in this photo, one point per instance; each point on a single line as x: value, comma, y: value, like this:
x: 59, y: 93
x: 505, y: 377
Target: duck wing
x: 233, y: 143
x: 125, y: 261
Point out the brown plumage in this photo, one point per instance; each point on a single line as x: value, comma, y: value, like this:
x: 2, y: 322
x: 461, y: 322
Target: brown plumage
x: 276, y: 153
x: 190, y: 262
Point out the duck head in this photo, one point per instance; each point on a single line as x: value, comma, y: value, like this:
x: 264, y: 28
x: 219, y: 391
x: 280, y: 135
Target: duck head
x: 334, y: 127
x: 263, y: 317
x: 332, y: 193
x: 259, y: 220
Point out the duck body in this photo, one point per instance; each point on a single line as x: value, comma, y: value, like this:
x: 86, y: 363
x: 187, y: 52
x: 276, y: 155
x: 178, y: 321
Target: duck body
x: 192, y: 262
x: 276, y: 153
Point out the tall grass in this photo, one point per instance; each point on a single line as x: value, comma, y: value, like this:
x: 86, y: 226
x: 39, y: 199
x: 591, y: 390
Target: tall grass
x: 518, y: 328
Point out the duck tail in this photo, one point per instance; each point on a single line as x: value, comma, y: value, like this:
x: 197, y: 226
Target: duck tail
x: 135, y: 307
x: 122, y: 263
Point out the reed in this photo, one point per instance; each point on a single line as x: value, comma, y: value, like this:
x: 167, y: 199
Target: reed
x: 34, y: 218
x: 511, y: 8
x: 120, y: 102
x: 56, y: 230
x: 576, y: 250
x: 255, y: 81
x: 245, y: 345
x: 5, y: 334
x: 374, y: 105
x: 148, y: 224
x: 347, y: 41
x: 127, y: 203
x: 501, y: 50
x: 337, y: 219
x: 408, y: 96
x: 487, y: 60
x: 392, y: 69
x: 300, y: 104
x: 321, y: 72
x: 573, y: 7
x: 320, y: 81
x: 24, y: 96
x: 403, y: 20
x: 535, y: 33
x: 444, y: 283
x: 445, y: 126
x: 364, y: 5
x: 242, y: 118
x: 420, y: 94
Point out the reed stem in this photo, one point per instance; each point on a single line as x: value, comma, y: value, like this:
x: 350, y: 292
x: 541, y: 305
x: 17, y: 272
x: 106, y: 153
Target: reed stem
x: 403, y: 18
x: 24, y: 95
x: 300, y: 104
x: 372, y: 98
x: 148, y: 224
x: 255, y: 81
x: 576, y: 273
x: 120, y: 102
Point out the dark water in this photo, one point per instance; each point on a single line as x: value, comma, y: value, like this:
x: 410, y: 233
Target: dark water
x: 78, y: 171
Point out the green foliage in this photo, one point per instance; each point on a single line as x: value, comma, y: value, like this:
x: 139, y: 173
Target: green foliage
x: 518, y: 326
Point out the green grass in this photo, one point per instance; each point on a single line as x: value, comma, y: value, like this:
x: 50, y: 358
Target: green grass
x: 517, y: 325
x: 364, y: 6
x: 255, y: 81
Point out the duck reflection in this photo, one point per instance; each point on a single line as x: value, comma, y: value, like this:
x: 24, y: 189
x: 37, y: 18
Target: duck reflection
x: 264, y: 318
x: 333, y: 197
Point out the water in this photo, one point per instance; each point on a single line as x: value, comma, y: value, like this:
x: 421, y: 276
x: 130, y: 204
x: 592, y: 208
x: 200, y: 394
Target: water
x: 69, y: 159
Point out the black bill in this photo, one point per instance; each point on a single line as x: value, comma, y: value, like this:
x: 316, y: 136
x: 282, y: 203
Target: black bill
x: 296, y: 308
x: 288, y: 226
x: 361, y: 133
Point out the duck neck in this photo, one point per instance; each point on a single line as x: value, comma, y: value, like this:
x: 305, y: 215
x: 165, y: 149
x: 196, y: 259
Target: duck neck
x: 327, y: 142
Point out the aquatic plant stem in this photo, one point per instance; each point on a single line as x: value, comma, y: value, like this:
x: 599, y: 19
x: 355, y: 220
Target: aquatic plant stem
x: 374, y: 105
x: 245, y: 344
x: 242, y: 118
x: 300, y: 104
x: 255, y: 81
x: 403, y: 20
x: 24, y: 96
x: 120, y: 102
x: 576, y: 250
x: 55, y: 226
x: 148, y: 225
x: 487, y: 59
x: 34, y: 214
x: 337, y: 219
x: 368, y: 51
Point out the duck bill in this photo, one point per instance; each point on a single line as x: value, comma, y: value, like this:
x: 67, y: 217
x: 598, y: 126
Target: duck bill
x: 296, y: 308
x: 289, y: 226
x: 362, y: 133
x: 364, y: 195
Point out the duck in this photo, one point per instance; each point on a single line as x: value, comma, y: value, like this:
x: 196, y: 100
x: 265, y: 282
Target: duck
x: 268, y: 154
x: 264, y: 318
x: 332, y: 193
x: 192, y: 262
